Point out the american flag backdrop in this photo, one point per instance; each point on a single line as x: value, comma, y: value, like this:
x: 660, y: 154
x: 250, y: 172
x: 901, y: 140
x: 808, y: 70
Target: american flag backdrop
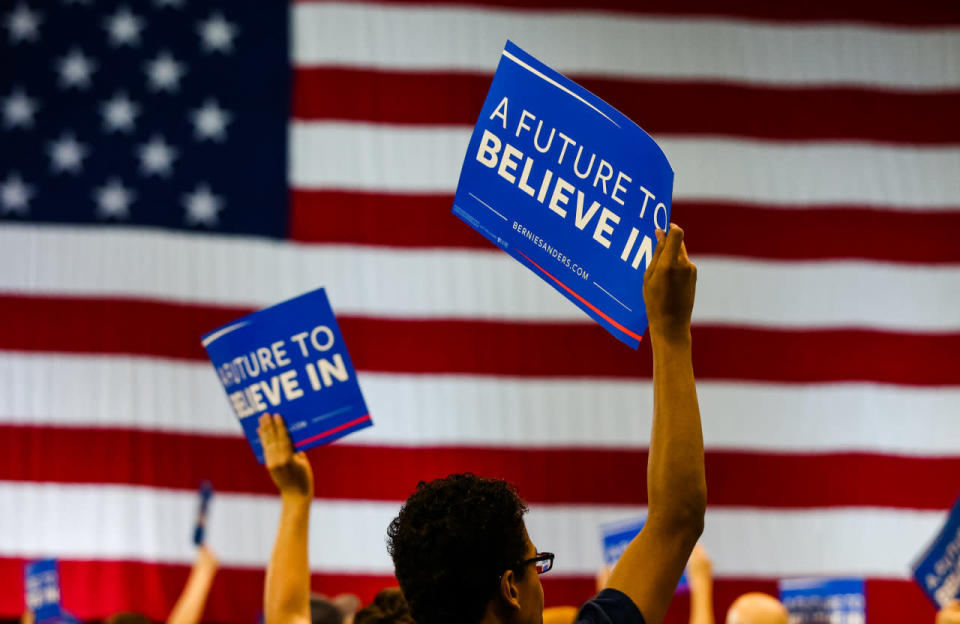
x: 166, y: 166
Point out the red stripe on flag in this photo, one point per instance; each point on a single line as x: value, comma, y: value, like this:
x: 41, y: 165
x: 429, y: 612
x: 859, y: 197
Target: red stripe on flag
x: 93, y: 590
x: 659, y: 106
x: 720, y: 229
x: 539, y: 349
x: 555, y: 476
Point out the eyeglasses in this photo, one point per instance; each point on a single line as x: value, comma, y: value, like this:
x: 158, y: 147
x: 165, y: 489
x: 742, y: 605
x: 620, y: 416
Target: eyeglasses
x: 543, y: 561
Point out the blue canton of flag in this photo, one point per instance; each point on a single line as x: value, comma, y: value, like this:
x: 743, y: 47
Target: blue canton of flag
x: 164, y: 113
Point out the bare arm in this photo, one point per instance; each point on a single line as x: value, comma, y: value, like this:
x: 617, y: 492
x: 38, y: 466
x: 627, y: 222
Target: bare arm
x: 189, y: 607
x: 700, y: 576
x: 950, y: 614
x: 559, y: 615
x: 650, y: 568
x: 287, y: 592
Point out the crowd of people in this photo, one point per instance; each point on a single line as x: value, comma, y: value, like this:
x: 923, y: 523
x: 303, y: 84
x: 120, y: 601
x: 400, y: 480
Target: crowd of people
x: 461, y: 550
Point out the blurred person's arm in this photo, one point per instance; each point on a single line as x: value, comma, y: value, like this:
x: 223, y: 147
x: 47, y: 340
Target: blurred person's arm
x: 950, y: 614
x: 27, y: 617
x: 287, y: 590
x: 650, y: 568
x: 189, y: 607
x: 560, y: 615
x: 700, y: 579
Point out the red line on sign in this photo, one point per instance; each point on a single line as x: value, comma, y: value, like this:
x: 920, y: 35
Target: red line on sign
x: 330, y: 432
x: 584, y: 301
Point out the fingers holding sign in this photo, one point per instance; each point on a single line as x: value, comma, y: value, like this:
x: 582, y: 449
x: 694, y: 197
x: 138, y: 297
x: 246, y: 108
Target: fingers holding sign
x: 669, y: 287
x: 290, y: 471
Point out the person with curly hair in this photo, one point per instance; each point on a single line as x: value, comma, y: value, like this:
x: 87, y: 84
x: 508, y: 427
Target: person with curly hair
x: 460, y: 547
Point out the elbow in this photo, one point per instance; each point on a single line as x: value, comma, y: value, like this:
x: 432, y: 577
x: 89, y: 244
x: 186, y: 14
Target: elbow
x: 683, y: 513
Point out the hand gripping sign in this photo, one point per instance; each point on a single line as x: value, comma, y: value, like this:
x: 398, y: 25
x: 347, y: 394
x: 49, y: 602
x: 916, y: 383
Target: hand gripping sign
x: 290, y: 359
x: 938, y: 569
x: 811, y: 601
x: 568, y: 186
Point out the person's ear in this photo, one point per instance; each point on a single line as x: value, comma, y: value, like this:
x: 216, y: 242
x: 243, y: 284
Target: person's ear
x: 509, y: 590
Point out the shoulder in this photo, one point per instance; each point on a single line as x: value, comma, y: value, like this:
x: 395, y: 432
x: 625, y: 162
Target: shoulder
x: 610, y: 607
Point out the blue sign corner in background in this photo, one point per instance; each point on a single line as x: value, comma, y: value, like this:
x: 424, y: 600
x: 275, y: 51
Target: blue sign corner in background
x: 290, y: 359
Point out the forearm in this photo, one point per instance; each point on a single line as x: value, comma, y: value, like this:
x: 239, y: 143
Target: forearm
x: 189, y: 607
x: 676, y: 481
x: 287, y: 592
x: 701, y: 601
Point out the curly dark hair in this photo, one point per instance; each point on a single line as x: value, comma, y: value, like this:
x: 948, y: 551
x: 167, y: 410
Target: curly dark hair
x: 450, y: 543
x: 388, y: 607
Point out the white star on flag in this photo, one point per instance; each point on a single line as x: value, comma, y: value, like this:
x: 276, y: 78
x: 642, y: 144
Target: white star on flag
x: 156, y: 157
x: 119, y: 113
x: 75, y: 69
x: 202, y: 207
x: 164, y: 73
x: 210, y: 121
x: 67, y: 154
x: 113, y: 200
x: 15, y: 195
x: 18, y: 110
x: 217, y: 34
x: 124, y: 27
x: 23, y: 24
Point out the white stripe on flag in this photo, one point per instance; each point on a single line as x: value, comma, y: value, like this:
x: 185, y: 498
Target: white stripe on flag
x: 378, y: 157
x: 459, y: 38
x: 423, y: 283
x: 115, y: 522
x: 415, y: 410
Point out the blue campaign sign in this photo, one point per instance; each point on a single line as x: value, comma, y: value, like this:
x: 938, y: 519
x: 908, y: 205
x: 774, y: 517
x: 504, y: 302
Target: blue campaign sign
x: 290, y: 359
x: 616, y: 537
x: 42, y: 590
x: 811, y: 601
x: 938, y: 569
x: 568, y: 186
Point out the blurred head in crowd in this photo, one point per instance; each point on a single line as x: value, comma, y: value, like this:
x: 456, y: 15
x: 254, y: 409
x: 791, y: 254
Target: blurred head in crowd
x: 755, y: 608
x: 336, y: 610
x: 128, y: 618
x: 388, y: 607
x: 323, y: 611
x: 457, y: 548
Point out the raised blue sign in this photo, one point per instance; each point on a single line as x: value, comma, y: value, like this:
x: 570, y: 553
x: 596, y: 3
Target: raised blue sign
x: 618, y: 535
x: 42, y: 590
x: 568, y: 186
x: 937, y: 571
x: 290, y: 359
x: 816, y: 600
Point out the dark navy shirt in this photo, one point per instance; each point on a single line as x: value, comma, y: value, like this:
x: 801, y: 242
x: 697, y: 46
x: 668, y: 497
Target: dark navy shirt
x: 610, y: 607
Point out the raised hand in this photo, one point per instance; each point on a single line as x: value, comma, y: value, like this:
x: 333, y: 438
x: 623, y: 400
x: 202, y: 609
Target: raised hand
x: 669, y: 287
x: 699, y: 568
x: 290, y: 471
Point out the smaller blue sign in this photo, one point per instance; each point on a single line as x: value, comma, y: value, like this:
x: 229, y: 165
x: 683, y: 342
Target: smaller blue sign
x: 617, y: 536
x: 816, y: 600
x: 199, y: 531
x: 42, y: 590
x: 290, y: 359
x: 937, y: 571
x: 570, y: 187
